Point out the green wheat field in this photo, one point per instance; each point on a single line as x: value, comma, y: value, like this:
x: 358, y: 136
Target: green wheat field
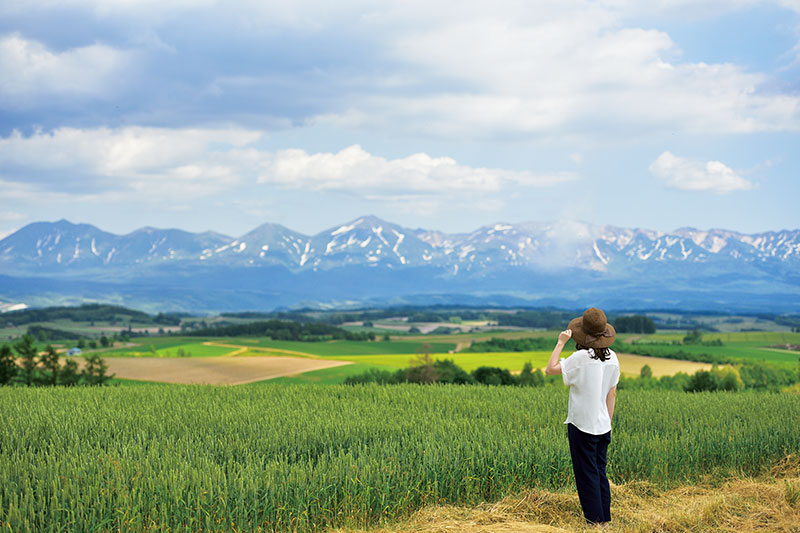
x: 306, y: 458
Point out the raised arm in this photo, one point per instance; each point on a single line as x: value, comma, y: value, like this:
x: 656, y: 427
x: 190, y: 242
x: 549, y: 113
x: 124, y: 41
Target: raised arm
x: 611, y: 398
x: 554, y: 365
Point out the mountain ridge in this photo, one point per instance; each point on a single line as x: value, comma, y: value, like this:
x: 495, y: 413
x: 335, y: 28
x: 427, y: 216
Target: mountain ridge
x: 368, y: 258
x: 370, y: 240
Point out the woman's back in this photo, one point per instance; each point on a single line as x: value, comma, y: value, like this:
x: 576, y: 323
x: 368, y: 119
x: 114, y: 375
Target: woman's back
x: 589, y: 381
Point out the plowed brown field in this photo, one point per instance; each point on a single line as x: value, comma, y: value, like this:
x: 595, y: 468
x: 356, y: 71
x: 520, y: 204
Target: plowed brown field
x: 213, y: 370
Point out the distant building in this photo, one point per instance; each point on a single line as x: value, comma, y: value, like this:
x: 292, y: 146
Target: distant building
x: 74, y: 351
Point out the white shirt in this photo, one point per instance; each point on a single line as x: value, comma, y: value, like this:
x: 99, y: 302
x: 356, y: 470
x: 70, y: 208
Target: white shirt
x: 589, y: 381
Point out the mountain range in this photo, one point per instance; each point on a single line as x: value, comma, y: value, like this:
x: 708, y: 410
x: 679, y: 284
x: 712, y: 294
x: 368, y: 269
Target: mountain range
x: 369, y: 261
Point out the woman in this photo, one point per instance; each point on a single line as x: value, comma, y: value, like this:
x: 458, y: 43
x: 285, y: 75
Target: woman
x: 592, y: 374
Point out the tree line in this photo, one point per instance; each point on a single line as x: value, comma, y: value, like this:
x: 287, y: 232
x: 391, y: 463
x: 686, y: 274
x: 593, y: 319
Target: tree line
x: 92, y: 312
x: 526, y: 318
x: 45, y: 369
x: 744, y: 376
x: 752, y: 376
x: 634, y: 324
x: 284, y: 330
x: 446, y: 371
x: 497, y: 344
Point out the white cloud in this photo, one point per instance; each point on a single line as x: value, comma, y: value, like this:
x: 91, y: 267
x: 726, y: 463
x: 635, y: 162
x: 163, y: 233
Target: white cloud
x: 30, y: 71
x: 574, y: 70
x: 354, y: 169
x: 503, y: 68
x: 695, y: 175
x: 200, y: 162
x: 189, y: 161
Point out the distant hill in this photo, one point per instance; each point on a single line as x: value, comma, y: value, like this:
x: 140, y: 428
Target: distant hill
x: 85, y: 313
x: 372, y: 261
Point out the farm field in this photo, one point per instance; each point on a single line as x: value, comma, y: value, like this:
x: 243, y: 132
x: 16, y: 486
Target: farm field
x: 630, y: 365
x: 404, y: 351
x: 169, y: 345
x: 741, y: 345
x: 217, y: 363
x: 756, y: 338
x: 468, y: 337
x: 308, y: 458
x: 331, y: 348
x: 514, y: 361
x: 327, y: 376
x: 285, y: 353
x: 195, y: 349
x: 84, y: 328
x: 212, y: 370
x: 143, y: 344
x: 469, y: 361
x: 727, y: 323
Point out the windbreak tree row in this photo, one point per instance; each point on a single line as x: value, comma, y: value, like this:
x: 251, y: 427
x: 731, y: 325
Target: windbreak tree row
x: 33, y: 368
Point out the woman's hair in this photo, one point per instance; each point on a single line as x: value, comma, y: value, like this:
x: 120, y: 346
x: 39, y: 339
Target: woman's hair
x: 596, y: 353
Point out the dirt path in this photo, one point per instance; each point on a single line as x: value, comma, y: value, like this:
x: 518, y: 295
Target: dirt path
x: 223, y: 370
x: 461, y: 345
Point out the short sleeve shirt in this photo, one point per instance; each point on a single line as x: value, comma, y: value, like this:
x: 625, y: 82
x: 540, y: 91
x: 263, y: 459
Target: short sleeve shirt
x: 589, y: 381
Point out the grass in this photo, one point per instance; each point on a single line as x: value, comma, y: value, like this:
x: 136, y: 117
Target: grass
x: 122, y: 382
x: 308, y: 458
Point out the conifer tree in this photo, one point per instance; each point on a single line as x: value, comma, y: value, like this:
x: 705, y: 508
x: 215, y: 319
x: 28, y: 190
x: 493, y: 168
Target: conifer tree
x: 8, y: 365
x: 27, y: 352
x: 95, y: 371
x: 49, y: 361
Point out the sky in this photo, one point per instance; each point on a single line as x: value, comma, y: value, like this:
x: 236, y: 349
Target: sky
x: 224, y: 115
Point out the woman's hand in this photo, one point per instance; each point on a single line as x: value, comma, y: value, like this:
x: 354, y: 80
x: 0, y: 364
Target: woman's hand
x: 553, y: 365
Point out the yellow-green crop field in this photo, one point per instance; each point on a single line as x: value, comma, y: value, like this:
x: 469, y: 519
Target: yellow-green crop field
x: 514, y: 361
x: 467, y: 360
x: 195, y: 349
x: 305, y: 458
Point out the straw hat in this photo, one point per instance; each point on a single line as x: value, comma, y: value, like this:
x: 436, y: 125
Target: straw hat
x: 592, y: 329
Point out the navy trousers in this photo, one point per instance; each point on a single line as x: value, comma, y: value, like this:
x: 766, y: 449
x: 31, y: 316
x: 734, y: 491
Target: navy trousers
x: 589, y: 464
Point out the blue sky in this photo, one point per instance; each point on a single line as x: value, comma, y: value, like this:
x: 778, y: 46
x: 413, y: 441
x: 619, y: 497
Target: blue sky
x: 225, y: 115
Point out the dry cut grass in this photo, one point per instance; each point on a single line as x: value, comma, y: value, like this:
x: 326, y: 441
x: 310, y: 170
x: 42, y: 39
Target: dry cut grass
x: 768, y: 503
